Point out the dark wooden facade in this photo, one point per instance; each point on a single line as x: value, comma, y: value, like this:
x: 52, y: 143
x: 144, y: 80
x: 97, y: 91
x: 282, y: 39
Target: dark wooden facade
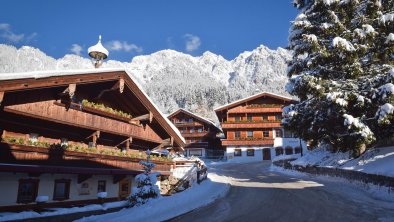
x: 47, y: 128
x: 199, y: 132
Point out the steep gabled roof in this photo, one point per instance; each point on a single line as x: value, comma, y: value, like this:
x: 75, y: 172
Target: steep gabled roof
x: 256, y: 96
x: 203, y: 119
x: 37, y: 79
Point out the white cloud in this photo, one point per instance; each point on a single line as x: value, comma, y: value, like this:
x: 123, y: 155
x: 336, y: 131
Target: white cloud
x: 117, y: 45
x: 7, y: 34
x: 192, y: 42
x: 76, y: 49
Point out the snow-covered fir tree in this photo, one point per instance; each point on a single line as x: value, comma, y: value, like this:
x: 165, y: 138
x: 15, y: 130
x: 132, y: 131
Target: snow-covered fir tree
x: 342, y: 72
x: 146, y: 185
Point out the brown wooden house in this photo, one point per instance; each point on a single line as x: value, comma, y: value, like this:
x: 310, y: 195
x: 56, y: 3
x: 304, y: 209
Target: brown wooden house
x: 253, y: 129
x: 69, y: 135
x: 200, y: 133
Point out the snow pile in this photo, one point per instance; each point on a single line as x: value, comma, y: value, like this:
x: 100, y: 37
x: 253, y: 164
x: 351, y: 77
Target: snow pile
x: 355, y: 123
x: 165, y: 208
x: 383, y: 112
x: 102, y: 195
x: 7, y: 216
x: 374, y: 161
x: 42, y: 199
x: 390, y: 38
x: 322, y: 157
x: 387, y: 18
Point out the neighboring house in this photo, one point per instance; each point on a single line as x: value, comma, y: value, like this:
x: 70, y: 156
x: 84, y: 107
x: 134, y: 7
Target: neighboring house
x: 199, y: 133
x: 69, y: 135
x: 253, y: 130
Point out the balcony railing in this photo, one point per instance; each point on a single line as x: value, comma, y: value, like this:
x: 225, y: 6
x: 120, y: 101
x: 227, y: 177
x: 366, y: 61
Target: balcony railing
x: 187, y: 124
x: 198, y: 134
x: 257, y: 109
x: 252, y: 124
x: 255, y: 142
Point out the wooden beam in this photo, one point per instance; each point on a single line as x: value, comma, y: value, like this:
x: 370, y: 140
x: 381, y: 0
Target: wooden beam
x: 70, y: 90
x: 145, y: 117
x: 1, y: 97
x: 128, y: 140
x: 119, y: 85
x: 83, y: 177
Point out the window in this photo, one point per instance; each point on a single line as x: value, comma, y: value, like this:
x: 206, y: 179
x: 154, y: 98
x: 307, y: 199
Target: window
x: 278, y: 133
x: 266, y: 134
x: 250, y: 118
x: 279, y: 151
x: 195, y: 152
x: 192, y: 140
x: 278, y: 117
x: 289, y: 150
x: 27, y: 190
x: 62, y: 189
x: 250, y: 134
x: 265, y: 117
x: 250, y: 152
x: 237, y: 152
x: 288, y: 134
x: 237, y: 134
x: 190, y: 120
x: 297, y: 150
x: 192, y: 130
x: 199, y: 130
x: 237, y: 118
x: 101, y: 186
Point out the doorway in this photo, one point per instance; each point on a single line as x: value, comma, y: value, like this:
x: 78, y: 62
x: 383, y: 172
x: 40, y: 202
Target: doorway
x: 124, y: 188
x: 266, y: 154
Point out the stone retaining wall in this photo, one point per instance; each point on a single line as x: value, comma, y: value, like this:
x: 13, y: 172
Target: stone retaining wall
x: 375, y: 179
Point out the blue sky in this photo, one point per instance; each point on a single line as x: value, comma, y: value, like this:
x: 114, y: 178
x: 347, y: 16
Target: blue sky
x: 130, y: 28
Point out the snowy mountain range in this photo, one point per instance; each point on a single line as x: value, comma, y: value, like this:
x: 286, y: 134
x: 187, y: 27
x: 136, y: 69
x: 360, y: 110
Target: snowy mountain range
x: 174, y: 79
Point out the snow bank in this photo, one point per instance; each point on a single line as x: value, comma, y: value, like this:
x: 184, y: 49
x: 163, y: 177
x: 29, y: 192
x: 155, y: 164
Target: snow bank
x: 164, y: 208
x: 374, y: 161
x: 6, y: 216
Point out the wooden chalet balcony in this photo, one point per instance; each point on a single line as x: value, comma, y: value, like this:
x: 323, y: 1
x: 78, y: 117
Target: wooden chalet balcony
x: 197, y: 134
x: 180, y: 124
x: 244, y: 142
x: 252, y: 124
x: 251, y: 109
x: 47, y: 110
x: 197, y: 145
x: 24, y: 154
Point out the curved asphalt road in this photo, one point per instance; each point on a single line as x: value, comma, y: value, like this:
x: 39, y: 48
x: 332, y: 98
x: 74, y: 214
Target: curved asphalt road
x: 257, y: 194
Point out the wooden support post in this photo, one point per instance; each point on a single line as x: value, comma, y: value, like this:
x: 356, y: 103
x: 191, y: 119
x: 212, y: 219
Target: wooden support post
x: 70, y: 90
x: 1, y: 97
x: 150, y: 117
x: 119, y: 85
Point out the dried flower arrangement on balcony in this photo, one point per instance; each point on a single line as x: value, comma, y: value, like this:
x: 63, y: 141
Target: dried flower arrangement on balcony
x: 264, y: 106
x: 83, y: 148
x: 102, y: 107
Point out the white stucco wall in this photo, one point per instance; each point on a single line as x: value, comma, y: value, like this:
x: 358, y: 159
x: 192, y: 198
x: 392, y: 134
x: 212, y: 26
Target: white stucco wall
x: 258, y: 154
x: 292, y: 142
x: 9, y: 184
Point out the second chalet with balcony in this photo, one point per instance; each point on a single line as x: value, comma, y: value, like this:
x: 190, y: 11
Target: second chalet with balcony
x: 253, y: 130
x: 199, y: 133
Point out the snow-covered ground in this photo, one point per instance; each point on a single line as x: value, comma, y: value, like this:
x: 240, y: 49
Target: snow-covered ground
x: 6, y: 216
x: 155, y: 210
x: 374, y: 161
x: 353, y: 188
x: 164, y: 208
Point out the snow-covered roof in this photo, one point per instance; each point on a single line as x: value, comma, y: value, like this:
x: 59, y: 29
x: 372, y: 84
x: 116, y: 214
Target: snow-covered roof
x: 255, y: 96
x: 206, y: 120
x: 46, y: 74
x: 52, y: 73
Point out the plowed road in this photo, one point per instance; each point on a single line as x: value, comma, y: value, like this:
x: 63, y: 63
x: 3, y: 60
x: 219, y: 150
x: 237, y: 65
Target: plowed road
x: 257, y: 194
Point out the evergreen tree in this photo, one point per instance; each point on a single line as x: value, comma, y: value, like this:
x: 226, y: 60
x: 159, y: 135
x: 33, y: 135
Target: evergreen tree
x: 342, y: 72
x: 146, y: 185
